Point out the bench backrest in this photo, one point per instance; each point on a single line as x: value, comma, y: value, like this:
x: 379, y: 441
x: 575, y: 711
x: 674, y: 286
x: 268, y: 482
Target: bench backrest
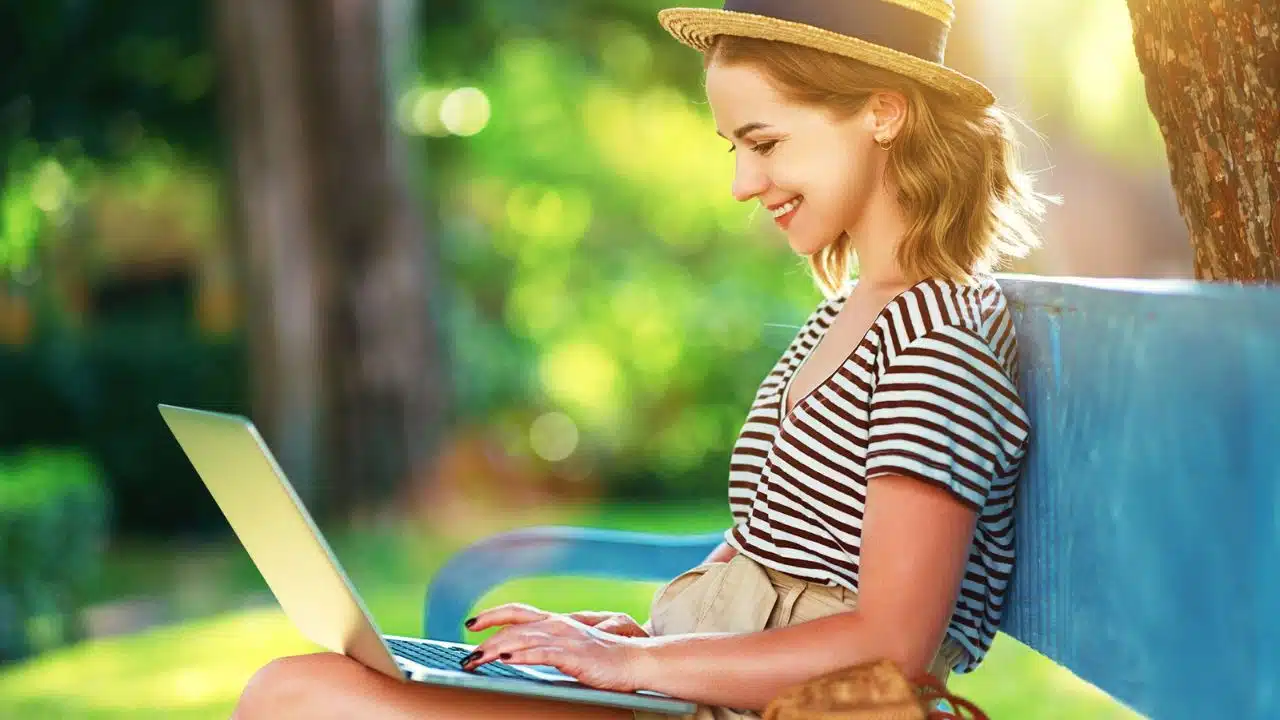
x: 1149, y: 512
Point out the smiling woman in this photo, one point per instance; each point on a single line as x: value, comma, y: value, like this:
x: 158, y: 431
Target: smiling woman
x: 839, y: 126
x: 873, y: 480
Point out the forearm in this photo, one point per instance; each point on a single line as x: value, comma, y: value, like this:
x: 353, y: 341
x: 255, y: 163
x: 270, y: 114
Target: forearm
x: 746, y: 671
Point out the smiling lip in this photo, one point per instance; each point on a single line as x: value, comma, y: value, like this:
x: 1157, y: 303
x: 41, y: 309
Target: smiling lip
x: 784, y: 221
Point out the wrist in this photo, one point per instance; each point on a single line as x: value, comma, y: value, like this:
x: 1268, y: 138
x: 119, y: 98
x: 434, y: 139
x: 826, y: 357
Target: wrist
x: 645, y: 666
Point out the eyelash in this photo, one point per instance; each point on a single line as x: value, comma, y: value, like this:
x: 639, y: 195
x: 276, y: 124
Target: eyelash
x: 757, y: 146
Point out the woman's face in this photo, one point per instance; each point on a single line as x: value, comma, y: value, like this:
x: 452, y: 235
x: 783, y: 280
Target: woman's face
x: 813, y: 172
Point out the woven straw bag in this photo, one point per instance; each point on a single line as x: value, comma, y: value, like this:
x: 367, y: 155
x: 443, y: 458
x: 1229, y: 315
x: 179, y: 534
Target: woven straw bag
x: 871, y: 691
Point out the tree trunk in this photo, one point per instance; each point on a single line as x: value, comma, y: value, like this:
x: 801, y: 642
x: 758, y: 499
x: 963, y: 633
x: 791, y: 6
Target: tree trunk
x: 1212, y: 71
x: 386, y: 402
x: 272, y: 201
x: 346, y: 362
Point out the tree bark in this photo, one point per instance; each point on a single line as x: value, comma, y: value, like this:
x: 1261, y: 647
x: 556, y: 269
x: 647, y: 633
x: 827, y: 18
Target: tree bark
x: 345, y: 354
x: 386, y: 401
x: 272, y: 201
x: 1212, y: 73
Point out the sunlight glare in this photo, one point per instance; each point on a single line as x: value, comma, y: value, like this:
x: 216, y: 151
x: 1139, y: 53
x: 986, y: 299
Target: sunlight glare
x: 465, y: 111
x: 583, y: 375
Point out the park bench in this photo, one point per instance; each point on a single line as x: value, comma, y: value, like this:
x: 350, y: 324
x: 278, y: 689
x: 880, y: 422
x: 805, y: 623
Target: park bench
x: 1148, y: 519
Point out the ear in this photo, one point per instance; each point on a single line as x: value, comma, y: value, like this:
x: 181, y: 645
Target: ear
x: 886, y: 113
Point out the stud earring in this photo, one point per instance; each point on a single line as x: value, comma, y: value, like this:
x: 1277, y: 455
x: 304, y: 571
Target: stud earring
x: 884, y: 143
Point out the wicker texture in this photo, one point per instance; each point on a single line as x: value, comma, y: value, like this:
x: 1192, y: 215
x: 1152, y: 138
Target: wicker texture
x: 698, y: 27
x: 874, y: 690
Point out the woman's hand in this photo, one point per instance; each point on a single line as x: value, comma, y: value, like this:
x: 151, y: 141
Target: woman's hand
x: 614, y: 623
x: 593, y: 656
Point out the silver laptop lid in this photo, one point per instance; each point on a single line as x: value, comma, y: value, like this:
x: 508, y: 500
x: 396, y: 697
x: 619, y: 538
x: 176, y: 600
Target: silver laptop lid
x: 279, y: 534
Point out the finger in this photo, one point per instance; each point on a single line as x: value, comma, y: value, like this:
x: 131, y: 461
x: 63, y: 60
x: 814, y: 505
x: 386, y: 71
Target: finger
x: 552, y: 655
x: 549, y: 624
x: 617, y: 626
x: 509, y: 614
x: 591, y: 617
x: 610, y: 624
x: 507, y: 641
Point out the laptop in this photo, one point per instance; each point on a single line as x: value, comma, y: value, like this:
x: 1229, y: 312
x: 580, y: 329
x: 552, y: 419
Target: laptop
x: 264, y: 511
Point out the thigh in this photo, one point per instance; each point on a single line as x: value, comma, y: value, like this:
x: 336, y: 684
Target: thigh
x: 328, y: 685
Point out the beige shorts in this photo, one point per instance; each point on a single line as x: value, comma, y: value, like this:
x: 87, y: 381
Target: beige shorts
x: 743, y: 596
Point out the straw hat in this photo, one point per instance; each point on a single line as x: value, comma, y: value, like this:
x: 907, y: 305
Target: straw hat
x: 906, y: 36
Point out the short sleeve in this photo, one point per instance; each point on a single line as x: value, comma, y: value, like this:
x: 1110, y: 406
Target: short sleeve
x: 945, y: 411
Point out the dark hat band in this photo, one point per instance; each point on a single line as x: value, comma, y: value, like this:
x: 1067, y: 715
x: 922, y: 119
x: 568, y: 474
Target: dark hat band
x: 875, y: 21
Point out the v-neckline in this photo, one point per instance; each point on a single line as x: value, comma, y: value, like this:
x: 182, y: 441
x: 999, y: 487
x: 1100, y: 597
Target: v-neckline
x: 838, y: 303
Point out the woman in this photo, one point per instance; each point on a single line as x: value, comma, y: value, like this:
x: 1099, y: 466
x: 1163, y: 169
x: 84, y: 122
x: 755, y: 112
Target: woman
x: 872, y: 484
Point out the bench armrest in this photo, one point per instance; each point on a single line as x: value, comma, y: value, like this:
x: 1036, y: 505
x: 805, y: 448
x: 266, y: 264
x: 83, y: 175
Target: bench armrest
x: 553, y: 550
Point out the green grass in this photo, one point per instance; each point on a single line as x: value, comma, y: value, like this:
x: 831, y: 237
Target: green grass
x: 196, y: 669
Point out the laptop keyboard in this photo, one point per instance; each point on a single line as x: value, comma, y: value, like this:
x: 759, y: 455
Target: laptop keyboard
x: 447, y: 657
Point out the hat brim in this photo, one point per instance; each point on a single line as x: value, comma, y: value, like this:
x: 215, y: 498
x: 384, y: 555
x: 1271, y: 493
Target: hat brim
x: 698, y: 28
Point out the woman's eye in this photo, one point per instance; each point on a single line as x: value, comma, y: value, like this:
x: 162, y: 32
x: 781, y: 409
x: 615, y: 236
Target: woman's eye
x: 764, y: 148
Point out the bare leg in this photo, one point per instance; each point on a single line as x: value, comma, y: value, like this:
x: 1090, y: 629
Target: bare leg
x: 328, y: 685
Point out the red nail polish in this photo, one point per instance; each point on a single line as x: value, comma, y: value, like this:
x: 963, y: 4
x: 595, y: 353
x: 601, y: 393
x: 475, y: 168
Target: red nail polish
x: 505, y: 656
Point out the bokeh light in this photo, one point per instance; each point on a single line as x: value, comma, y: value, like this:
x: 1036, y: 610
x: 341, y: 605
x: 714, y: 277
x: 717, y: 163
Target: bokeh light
x: 426, y: 113
x: 553, y: 436
x: 465, y: 111
x: 583, y: 375
x: 625, y: 52
x: 50, y: 188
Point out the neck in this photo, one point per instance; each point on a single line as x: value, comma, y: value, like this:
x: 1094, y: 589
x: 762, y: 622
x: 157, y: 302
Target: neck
x: 876, y: 239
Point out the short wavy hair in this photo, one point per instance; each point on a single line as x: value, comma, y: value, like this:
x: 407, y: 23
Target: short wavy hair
x: 970, y: 207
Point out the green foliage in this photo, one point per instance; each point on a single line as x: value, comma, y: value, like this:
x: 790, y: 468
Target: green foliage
x: 597, y: 266
x: 100, y: 72
x: 87, y: 82
x: 98, y: 390
x: 53, y: 524
x: 600, y: 267
x: 35, y: 198
x: 131, y: 369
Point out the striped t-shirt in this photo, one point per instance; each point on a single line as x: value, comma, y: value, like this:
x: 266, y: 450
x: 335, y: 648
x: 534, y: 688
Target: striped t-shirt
x: 928, y: 393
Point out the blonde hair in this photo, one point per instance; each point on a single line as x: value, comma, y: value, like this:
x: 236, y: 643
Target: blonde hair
x: 968, y: 204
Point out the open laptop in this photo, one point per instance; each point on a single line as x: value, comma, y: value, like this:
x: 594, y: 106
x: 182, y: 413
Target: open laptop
x: 301, y: 570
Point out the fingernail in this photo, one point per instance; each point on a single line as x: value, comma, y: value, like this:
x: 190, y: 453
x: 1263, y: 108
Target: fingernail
x: 471, y: 658
x: 470, y: 622
x: 505, y: 656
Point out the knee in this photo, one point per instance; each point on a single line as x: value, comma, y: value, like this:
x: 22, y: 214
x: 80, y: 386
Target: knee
x: 280, y: 688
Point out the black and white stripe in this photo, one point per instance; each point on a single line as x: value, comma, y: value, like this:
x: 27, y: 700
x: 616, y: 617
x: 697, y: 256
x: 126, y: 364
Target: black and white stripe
x: 928, y: 393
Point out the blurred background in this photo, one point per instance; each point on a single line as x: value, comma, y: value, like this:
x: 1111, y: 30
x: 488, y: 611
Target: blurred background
x: 469, y: 265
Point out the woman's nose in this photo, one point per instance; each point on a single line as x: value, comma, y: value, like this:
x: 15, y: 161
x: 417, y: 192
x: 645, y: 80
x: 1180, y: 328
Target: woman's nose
x: 748, y: 181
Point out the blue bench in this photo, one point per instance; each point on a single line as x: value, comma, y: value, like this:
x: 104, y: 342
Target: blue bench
x: 1149, y: 511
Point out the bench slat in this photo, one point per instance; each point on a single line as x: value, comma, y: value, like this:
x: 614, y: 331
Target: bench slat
x: 1147, y: 521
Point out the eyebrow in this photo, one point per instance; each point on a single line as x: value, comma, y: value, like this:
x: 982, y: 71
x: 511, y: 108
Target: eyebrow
x: 742, y: 131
